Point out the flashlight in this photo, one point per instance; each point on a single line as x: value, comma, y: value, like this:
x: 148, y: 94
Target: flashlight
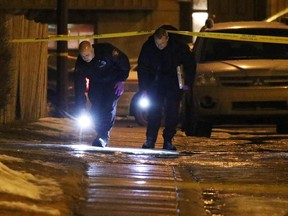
x: 84, y: 120
x: 144, y: 102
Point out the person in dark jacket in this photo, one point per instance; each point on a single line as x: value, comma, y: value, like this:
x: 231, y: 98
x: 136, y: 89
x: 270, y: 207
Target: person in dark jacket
x: 158, y: 61
x: 107, y: 69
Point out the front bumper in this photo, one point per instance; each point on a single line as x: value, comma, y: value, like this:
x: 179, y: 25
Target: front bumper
x: 229, y: 104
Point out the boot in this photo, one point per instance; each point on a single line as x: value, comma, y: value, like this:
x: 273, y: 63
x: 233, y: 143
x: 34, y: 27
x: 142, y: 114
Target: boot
x: 102, y: 139
x: 97, y: 143
x: 104, y: 142
x: 168, y: 145
x: 149, y: 144
x: 101, y: 142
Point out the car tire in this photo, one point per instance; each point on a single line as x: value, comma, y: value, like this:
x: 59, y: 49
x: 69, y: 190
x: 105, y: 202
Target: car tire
x: 140, y: 116
x: 282, y: 128
x: 198, y: 129
x: 190, y: 124
x: 203, y: 129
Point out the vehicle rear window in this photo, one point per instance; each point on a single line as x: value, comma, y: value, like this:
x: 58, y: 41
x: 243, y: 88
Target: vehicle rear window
x: 219, y: 50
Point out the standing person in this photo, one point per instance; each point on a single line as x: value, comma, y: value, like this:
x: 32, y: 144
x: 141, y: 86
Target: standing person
x: 107, y: 69
x: 209, y: 23
x: 157, y: 73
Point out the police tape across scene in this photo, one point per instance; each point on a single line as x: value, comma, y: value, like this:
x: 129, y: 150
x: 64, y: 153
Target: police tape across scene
x: 82, y: 37
x: 224, y: 36
x: 238, y: 37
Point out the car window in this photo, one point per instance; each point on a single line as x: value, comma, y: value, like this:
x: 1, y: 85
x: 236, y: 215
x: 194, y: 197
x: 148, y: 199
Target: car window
x: 219, y: 50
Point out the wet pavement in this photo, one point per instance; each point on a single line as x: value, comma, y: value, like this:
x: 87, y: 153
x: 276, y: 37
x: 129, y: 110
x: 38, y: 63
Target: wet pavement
x: 239, y: 171
x: 123, y: 181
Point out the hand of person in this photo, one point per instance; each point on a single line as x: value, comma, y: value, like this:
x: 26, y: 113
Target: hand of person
x: 119, y: 88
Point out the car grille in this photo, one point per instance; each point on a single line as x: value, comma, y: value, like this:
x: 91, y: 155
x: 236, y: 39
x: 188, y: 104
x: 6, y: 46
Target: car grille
x: 259, y: 105
x: 273, y: 81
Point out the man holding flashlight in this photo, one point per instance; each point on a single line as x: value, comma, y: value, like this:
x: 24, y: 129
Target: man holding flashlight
x: 107, y: 69
x: 160, y: 58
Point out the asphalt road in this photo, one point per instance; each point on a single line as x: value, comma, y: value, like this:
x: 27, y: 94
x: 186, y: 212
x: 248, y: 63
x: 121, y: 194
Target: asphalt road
x: 238, y: 171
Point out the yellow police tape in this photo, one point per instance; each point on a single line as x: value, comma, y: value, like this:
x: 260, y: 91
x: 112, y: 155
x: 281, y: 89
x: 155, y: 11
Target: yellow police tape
x: 67, y: 37
x: 224, y: 36
x: 238, y: 37
x: 276, y: 16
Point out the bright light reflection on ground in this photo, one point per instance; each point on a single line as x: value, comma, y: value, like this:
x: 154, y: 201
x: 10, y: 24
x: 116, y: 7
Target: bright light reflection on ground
x: 140, y: 182
x: 124, y: 150
x: 140, y: 177
x: 142, y: 168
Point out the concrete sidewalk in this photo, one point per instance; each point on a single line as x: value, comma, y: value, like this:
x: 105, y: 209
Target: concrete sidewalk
x: 125, y: 179
x: 122, y: 179
x: 229, y: 174
x: 138, y: 186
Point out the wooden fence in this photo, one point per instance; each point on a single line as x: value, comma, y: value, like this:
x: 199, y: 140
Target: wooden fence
x: 27, y: 99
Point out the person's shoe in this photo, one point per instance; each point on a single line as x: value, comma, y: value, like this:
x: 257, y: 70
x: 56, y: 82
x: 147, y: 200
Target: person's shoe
x: 100, y: 142
x: 169, y: 146
x: 104, y: 142
x: 97, y: 143
x: 149, y: 144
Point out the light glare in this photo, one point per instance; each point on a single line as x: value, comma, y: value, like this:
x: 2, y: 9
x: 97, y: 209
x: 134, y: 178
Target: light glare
x: 84, y: 121
x: 144, y: 102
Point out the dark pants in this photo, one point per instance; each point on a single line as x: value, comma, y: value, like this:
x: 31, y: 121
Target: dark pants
x: 167, y: 97
x: 103, y: 107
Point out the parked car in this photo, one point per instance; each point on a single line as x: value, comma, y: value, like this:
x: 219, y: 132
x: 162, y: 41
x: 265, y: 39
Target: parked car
x: 239, y: 81
x: 127, y: 104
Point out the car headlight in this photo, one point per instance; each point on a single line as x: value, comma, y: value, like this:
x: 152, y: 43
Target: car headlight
x: 206, y: 79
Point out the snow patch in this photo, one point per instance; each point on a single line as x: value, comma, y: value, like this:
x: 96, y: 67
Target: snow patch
x: 29, y: 208
x: 10, y: 158
x: 27, y: 185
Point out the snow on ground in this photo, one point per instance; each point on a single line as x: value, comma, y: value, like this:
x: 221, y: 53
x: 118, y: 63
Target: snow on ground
x: 26, y: 184
x: 33, y: 209
x: 32, y: 194
x: 21, y: 183
x: 47, y: 130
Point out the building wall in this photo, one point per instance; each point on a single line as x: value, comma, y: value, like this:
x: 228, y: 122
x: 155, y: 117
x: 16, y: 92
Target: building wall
x: 167, y: 12
x: 237, y: 10
x: 245, y: 10
x: 274, y: 6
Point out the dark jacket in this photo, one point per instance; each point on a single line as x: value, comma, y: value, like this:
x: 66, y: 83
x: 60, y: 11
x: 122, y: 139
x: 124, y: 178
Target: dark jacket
x: 157, y: 66
x: 109, y: 65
